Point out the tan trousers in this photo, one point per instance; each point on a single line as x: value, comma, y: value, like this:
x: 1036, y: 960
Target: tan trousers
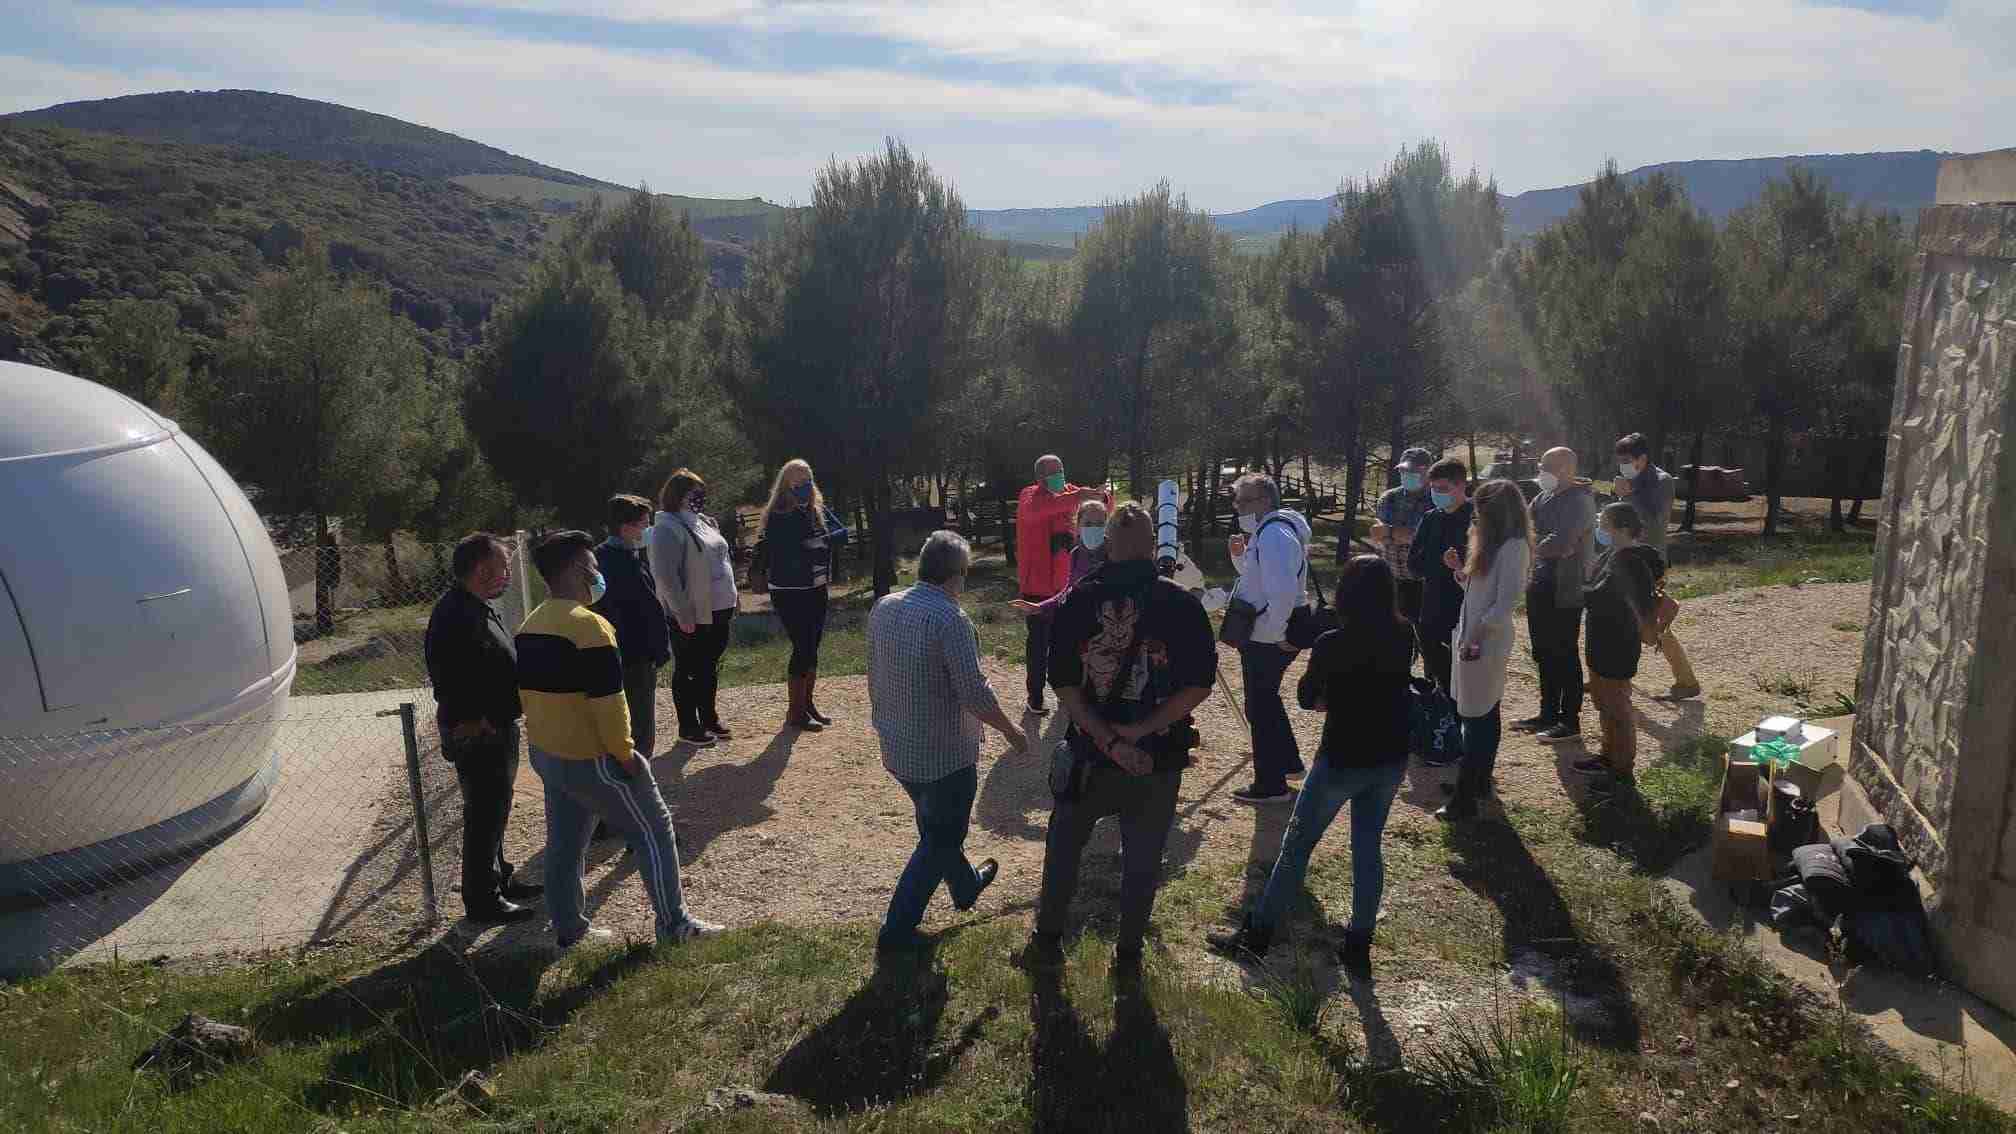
x: 1620, y: 727
x: 1676, y: 658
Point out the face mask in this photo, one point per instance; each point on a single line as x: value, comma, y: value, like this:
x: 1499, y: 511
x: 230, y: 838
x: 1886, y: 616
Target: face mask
x: 1627, y: 469
x: 597, y: 587
x: 696, y: 501
x: 1443, y: 500
x: 1054, y: 482
x: 1603, y: 537
x: 1093, y: 536
x: 1249, y: 524
x: 1548, y: 481
x: 1411, y: 481
x: 803, y: 492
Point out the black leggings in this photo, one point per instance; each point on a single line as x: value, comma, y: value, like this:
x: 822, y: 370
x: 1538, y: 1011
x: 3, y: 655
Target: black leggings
x: 696, y: 671
x: 803, y: 614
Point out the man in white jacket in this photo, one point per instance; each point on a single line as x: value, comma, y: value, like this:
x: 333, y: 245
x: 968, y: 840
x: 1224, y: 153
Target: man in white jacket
x: 1271, y: 553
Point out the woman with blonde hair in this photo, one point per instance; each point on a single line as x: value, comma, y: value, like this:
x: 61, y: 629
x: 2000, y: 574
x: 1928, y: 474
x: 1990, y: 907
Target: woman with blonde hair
x: 1492, y: 574
x: 796, y: 547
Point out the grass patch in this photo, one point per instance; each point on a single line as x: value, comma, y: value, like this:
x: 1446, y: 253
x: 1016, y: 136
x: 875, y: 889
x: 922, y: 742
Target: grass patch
x: 1520, y: 1072
x: 1712, y: 563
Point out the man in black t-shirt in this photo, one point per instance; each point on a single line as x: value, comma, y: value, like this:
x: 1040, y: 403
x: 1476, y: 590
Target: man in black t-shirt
x: 1131, y: 655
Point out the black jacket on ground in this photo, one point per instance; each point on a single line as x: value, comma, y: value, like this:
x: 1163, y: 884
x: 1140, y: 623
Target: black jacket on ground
x: 1441, y: 598
x: 1089, y: 643
x: 1358, y: 675
x: 1617, y: 596
x: 631, y: 604
x: 471, y: 661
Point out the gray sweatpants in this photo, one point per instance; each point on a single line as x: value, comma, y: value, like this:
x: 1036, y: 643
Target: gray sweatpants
x: 578, y: 792
x: 1146, y: 806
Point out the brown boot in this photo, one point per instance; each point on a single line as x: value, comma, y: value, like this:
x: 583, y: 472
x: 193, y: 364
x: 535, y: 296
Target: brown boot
x: 812, y: 706
x: 799, y: 715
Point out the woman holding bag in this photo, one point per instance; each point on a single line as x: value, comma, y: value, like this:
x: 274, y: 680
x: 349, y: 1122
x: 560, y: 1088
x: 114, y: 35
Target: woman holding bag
x: 799, y: 535
x: 694, y: 570
x: 1492, y: 574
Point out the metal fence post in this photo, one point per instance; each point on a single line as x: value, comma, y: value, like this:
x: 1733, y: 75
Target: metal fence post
x: 406, y: 723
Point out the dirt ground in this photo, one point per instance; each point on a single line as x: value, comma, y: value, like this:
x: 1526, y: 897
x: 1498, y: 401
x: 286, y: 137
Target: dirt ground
x: 809, y: 828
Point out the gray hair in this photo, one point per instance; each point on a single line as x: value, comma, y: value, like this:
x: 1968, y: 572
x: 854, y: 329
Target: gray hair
x: 1264, y: 483
x: 1038, y: 466
x: 945, y: 556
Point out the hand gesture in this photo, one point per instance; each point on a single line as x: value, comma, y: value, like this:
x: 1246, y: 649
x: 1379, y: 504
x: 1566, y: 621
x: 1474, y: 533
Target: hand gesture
x: 1023, y: 607
x: 1236, y: 545
x: 1452, y: 560
x: 1132, y: 760
x: 686, y: 627
x: 1130, y: 733
x: 1016, y: 739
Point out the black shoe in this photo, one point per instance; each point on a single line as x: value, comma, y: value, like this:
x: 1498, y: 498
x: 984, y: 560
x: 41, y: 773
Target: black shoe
x: 503, y: 913
x: 1591, y: 766
x: 1044, y: 953
x: 1248, y: 940
x: 1037, y: 709
x: 1533, y: 724
x: 719, y: 730
x: 1356, y: 954
x: 1258, y: 796
x: 1560, y: 734
x: 818, y: 716
x: 523, y: 889
x: 804, y: 724
x: 984, y: 874
x: 1442, y: 761
x: 1610, y: 786
x: 697, y: 737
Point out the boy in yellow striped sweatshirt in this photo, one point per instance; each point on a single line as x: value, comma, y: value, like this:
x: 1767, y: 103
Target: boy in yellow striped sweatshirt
x: 577, y: 726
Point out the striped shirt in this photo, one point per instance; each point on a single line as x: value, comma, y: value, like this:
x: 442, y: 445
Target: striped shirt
x: 925, y: 688
x: 570, y: 678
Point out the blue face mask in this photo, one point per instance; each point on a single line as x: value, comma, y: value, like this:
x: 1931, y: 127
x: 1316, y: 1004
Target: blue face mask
x: 1603, y: 537
x: 1411, y: 481
x: 1443, y: 500
x: 597, y: 587
x: 803, y: 492
x: 1093, y: 536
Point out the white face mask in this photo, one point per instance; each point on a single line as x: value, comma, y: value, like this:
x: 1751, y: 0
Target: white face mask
x: 1249, y: 524
x: 1627, y: 469
x: 1548, y: 481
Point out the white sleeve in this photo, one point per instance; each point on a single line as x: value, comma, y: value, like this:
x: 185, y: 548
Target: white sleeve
x: 1281, y: 566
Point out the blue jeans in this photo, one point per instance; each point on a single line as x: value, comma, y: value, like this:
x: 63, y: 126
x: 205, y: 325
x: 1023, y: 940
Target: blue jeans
x: 944, y: 810
x: 1370, y: 793
x: 1276, y: 756
x: 578, y: 792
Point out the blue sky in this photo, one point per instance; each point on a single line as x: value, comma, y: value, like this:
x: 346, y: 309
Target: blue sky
x: 1037, y: 102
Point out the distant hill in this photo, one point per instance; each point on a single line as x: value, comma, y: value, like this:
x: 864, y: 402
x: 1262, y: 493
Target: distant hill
x: 1901, y: 182
x: 299, y: 128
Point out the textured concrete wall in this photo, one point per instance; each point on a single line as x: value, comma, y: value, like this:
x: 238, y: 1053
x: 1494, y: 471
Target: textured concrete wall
x: 1936, y: 732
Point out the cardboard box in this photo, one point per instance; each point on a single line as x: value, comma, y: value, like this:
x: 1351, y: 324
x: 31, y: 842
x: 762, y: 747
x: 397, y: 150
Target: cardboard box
x: 1742, y: 850
x: 1818, y: 749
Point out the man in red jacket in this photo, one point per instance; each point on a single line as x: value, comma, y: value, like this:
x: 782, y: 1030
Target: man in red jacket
x: 1043, y: 538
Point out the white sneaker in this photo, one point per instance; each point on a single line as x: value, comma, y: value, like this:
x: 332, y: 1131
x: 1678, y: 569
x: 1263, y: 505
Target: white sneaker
x: 693, y: 927
x: 593, y: 935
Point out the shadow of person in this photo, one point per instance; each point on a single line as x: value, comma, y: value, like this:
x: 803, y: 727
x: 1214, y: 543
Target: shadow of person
x: 725, y: 797
x: 1542, y: 943
x: 1018, y: 783
x: 1270, y: 823
x: 1382, y: 1046
x: 413, y: 1027
x: 1131, y: 1083
x: 882, y: 1045
x: 1424, y: 786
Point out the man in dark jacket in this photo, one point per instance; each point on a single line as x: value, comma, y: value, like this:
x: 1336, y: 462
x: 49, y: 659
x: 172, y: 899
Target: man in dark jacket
x: 1564, y: 526
x: 1446, y: 526
x: 630, y: 603
x: 1130, y: 656
x: 474, y: 669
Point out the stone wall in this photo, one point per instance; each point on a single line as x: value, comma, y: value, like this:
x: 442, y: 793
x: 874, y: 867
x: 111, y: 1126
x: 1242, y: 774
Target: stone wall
x: 1935, y: 737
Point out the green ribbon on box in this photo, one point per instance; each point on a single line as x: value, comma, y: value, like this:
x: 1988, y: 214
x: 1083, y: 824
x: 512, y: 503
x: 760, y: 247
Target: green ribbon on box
x: 1776, y: 753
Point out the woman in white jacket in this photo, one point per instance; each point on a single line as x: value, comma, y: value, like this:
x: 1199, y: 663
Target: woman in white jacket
x: 1492, y: 575
x: 694, y: 570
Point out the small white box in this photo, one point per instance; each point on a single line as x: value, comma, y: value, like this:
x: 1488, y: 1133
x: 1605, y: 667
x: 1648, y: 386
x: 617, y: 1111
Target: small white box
x: 1788, y: 729
x: 1816, y: 746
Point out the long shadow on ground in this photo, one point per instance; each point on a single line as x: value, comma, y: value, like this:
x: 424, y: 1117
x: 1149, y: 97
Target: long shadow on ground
x: 1132, y: 1082
x: 1541, y: 940
x: 415, y: 1026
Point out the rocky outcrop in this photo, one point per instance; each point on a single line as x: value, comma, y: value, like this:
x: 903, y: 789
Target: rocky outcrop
x: 21, y: 209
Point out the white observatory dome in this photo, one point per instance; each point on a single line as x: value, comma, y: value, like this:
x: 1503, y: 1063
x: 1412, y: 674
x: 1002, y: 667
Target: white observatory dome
x: 146, y: 643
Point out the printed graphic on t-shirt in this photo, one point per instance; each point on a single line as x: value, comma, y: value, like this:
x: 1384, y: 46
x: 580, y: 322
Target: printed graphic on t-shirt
x: 1106, y: 651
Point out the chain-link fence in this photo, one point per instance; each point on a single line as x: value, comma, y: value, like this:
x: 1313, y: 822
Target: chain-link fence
x: 300, y: 827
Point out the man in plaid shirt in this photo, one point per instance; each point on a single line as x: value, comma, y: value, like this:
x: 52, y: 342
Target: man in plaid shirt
x: 928, y: 700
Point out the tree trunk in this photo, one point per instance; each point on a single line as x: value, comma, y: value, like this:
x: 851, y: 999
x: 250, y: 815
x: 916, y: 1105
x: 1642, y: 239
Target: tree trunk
x: 1200, y: 498
x: 1474, y: 470
x: 395, y: 587
x: 1137, y: 443
x: 1774, y: 471
x: 1308, y: 486
x: 328, y: 574
x: 1835, y: 521
x: 1694, y: 478
x: 885, y: 533
x: 1212, y: 495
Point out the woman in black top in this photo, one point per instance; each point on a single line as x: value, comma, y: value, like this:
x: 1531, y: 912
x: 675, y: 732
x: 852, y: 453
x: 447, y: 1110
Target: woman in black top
x: 1358, y: 676
x: 799, y: 535
x: 1619, y: 598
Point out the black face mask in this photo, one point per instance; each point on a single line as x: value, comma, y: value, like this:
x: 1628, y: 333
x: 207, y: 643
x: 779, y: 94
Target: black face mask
x: 697, y: 500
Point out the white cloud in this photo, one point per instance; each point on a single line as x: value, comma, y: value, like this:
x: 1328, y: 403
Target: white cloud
x: 1289, y: 97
